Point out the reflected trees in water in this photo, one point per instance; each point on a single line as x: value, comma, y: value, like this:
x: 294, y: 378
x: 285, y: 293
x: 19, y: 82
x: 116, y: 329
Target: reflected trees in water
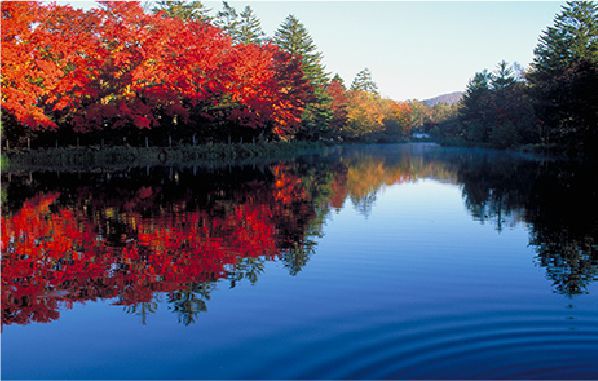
x: 179, y: 236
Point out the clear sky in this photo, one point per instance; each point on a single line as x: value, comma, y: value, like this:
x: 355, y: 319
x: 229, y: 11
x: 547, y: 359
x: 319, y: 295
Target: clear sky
x: 414, y: 49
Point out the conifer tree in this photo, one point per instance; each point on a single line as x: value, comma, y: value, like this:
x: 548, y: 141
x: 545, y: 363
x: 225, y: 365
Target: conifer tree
x: 293, y: 37
x: 364, y: 81
x: 572, y: 38
x: 227, y: 20
x: 186, y: 10
x: 504, y: 77
x: 564, y: 78
x: 249, y: 28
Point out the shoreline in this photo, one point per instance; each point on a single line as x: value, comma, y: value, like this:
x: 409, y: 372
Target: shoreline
x: 214, y: 155
x: 118, y: 157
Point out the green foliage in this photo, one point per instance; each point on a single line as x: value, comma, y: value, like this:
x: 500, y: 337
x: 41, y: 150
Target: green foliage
x: 338, y: 79
x: 293, y: 37
x: 186, y: 10
x: 364, y: 81
x: 496, y: 110
x: 243, y: 28
x: 250, y: 29
x: 227, y: 20
x: 564, y: 79
x: 572, y: 38
x: 504, y: 77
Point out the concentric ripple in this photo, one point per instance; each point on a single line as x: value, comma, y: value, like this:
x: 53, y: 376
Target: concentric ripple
x: 545, y: 344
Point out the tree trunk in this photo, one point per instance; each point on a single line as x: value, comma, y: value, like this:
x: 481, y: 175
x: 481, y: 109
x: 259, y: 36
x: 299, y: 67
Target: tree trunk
x: 28, y: 143
x: 229, y: 139
x: 169, y: 141
x: 146, y: 142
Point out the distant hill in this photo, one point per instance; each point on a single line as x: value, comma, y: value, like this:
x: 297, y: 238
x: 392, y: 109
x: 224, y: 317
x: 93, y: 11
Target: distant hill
x: 450, y: 98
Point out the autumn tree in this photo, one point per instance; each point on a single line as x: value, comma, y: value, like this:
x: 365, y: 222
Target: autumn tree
x: 49, y: 59
x: 365, y: 115
x: 398, y: 119
x: 339, y: 104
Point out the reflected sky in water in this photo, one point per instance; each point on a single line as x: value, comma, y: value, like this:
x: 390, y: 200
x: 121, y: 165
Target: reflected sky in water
x: 392, y: 261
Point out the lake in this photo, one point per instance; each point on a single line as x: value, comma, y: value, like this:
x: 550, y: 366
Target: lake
x: 363, y: 262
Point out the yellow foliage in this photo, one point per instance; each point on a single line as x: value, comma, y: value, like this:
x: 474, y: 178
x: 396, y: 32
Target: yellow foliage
x: 364, y: 113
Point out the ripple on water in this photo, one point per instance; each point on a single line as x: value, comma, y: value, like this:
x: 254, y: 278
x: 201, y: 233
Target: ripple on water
x: 491, y: 344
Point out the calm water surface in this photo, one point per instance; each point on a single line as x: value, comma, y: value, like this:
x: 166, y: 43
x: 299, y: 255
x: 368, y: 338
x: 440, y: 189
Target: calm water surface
x: 393, y: 261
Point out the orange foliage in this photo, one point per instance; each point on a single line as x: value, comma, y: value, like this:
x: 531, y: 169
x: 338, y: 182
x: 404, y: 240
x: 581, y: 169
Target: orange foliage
x: 117, y: 66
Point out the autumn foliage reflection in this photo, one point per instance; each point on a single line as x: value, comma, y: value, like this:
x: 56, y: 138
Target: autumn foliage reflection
x: 178, y: 234
x: 59, y: 251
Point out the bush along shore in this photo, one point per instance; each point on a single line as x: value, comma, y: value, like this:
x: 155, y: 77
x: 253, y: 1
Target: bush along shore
x: 211, y: 154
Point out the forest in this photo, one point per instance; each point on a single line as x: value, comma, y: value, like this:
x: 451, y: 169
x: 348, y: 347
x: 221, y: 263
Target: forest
x: 553, y: 104
x: 171, y: 73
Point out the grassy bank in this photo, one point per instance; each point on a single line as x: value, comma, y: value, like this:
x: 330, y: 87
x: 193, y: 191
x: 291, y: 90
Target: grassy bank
x: 219, y: 154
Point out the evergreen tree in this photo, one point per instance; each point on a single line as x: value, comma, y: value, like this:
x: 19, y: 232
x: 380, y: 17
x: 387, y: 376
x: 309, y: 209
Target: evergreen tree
x: 518, y: 72
x: 186, y: 10
x: 364, y: 81
x: 250, y: 29
x: 572, y: 38
x: 292, y: 37
x: 496, y: 110
x: 475, y: 106
x: 339, y: 79
x: 504, y: 77
x: 227, y: 20
x: 564, y: 76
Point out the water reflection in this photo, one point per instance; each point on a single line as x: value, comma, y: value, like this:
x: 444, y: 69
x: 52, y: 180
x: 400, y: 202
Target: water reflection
x: 178, y: 233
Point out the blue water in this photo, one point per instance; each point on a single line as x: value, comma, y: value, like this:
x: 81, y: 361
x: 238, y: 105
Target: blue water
x: 462, y: 268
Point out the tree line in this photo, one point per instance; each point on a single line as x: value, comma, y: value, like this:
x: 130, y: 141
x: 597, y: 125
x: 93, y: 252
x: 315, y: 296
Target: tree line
x: 552, y: 104
x: 169, y: 72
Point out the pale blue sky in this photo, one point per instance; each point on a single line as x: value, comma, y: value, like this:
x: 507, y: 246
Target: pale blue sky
x: 414, y: 49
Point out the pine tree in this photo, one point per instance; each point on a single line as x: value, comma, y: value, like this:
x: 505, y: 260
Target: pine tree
x: 563, y: 74
x: 249, y: 28
x: 186, y: 10
x: 504, y: 77
x: 364, y: 81
x: 227, y: 20
x: 475, y: 106
x: 339, y: 79
x: 572, y: 38
x: 292, y: 37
